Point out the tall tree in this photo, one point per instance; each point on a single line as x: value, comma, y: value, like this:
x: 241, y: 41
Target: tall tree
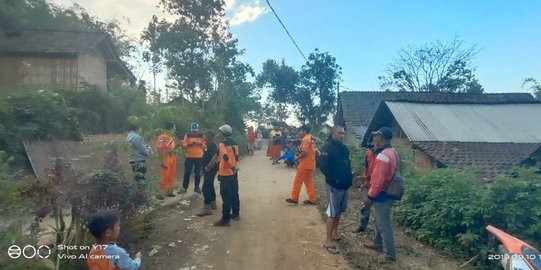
x: 280, y: 78
x: 435, y: 67
x: 197, y: 46
x: 535, y: 86
x: 315, y: 98
x: 153, y: 54
x: 17, y: 15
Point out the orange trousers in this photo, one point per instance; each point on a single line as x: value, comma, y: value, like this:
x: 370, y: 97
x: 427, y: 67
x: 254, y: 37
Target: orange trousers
x: 168, y: 172
x: 306, y: 177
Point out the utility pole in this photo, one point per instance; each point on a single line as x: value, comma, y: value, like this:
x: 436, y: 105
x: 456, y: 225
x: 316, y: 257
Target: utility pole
x: 337, y: 102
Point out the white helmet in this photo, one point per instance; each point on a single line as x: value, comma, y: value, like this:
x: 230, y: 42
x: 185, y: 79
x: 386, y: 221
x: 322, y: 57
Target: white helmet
x: 226, y: 129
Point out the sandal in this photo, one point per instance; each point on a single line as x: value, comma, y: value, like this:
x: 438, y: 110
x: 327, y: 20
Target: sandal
x: 308, y: 202
x: 331, y: 249
x: 288, y: 200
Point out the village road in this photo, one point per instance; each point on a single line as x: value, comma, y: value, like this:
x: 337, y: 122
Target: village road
x: 271, y: 234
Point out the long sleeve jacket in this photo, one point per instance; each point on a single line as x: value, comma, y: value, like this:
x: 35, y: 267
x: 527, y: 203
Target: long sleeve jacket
x: 335, y: 164
x: 384, y: 168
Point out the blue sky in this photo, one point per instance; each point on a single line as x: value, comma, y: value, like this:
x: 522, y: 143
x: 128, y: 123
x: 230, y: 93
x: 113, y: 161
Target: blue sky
x: 365, y: 36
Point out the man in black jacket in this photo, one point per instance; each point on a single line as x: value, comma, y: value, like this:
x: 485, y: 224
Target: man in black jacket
x: 335, y: 164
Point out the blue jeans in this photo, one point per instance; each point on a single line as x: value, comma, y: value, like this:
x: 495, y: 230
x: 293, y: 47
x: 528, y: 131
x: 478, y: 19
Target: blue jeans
x: 384, y: 237
x: 365, y: 217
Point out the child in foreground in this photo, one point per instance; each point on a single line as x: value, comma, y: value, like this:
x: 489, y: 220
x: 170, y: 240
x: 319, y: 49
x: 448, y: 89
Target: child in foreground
x: 106, y: 255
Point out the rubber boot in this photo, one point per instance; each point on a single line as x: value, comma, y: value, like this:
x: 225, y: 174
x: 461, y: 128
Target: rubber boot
x: 205, y: 211
x: 213, y: 205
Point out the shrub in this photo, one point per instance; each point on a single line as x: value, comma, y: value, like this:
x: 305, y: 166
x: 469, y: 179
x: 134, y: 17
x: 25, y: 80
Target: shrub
x: 450, y: 209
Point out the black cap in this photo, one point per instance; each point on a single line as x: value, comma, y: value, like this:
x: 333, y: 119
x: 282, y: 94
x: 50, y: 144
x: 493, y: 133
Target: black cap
x: 385, y: 132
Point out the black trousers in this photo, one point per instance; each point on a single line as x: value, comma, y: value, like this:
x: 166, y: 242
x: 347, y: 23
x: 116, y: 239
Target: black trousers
x: 229, y: 189
x: 208, y: 186
x: 139, y: 169
x: 189, y: 164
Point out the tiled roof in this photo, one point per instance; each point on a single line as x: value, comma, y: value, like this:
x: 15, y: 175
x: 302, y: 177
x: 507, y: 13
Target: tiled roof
x: 52, y: 42
x: 489, y: 159
x: 358, y: 108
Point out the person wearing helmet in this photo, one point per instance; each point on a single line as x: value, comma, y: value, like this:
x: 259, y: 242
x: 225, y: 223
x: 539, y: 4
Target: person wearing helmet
x: 195, y: 143
x: 228, y: 177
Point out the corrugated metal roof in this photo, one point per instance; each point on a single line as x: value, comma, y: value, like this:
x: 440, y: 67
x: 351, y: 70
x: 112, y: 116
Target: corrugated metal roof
x: 496, y: 123
x: 358, y: 108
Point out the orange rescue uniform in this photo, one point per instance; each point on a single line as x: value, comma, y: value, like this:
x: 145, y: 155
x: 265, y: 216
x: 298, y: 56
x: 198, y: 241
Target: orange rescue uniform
x: 231, y: 153
x: 305, y: 170
x: 97, y: 260
x: 165, y: 144
x: 194, y: 151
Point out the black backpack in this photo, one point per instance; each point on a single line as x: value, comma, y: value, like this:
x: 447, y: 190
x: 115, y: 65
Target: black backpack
x: 395, y: 188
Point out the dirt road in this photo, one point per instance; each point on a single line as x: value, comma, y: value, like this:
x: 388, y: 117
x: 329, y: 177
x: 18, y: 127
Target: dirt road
x: 270, y: 235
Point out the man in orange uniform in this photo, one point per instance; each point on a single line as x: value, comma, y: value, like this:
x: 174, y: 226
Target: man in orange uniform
x: 305, y: 169
x: 165, y: 143
x: 195, y: 143
x: 228, y: 177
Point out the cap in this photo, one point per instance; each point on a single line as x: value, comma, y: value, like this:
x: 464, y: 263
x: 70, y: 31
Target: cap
x: 226, y: 129
x: 195, y: 126
x: 385, y: 132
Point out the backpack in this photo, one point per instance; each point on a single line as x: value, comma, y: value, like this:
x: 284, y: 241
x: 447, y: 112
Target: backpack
x: 395, y: 188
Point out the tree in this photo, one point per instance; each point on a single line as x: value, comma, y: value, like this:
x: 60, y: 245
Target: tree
x: 435, y: 67
x: 315, y: 98
x: 197, y: 47
x: 153, y: 54
x: 535, y: 86
x: 43, y: 15
x: 280, y: 78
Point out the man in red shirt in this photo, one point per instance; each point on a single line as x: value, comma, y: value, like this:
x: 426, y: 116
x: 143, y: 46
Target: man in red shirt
x: 385, y: 165
x: 251, y: 140
x: 369, y: 162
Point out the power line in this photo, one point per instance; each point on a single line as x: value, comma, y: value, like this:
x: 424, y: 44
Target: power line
x: 299, y: 49
x: 292, y: 39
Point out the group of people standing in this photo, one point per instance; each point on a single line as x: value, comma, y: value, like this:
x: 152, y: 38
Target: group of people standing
x: 333, y: 159
x: 203, y: 155
x: 381, y: 162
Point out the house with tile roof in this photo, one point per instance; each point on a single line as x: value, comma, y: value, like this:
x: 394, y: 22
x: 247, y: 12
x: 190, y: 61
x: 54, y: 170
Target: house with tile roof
x: 41, y: 59
x: 492, y: 138
x: 356, y: 109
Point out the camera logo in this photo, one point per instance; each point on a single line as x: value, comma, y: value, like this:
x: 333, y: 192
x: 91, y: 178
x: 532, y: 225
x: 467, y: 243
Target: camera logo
x: 29, y: 252
x: 14, y: 252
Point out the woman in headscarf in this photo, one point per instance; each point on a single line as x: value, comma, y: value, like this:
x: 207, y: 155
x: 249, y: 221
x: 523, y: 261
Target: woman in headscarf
x: 275, y: 145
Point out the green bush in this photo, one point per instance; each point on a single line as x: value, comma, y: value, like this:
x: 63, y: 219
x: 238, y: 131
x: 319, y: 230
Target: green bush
x: 64, y: 114
x: 450, y: 209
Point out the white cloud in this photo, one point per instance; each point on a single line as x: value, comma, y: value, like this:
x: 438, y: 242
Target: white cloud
x: 138, y: 12
x: 229, y: 4
x: 248, y: 13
